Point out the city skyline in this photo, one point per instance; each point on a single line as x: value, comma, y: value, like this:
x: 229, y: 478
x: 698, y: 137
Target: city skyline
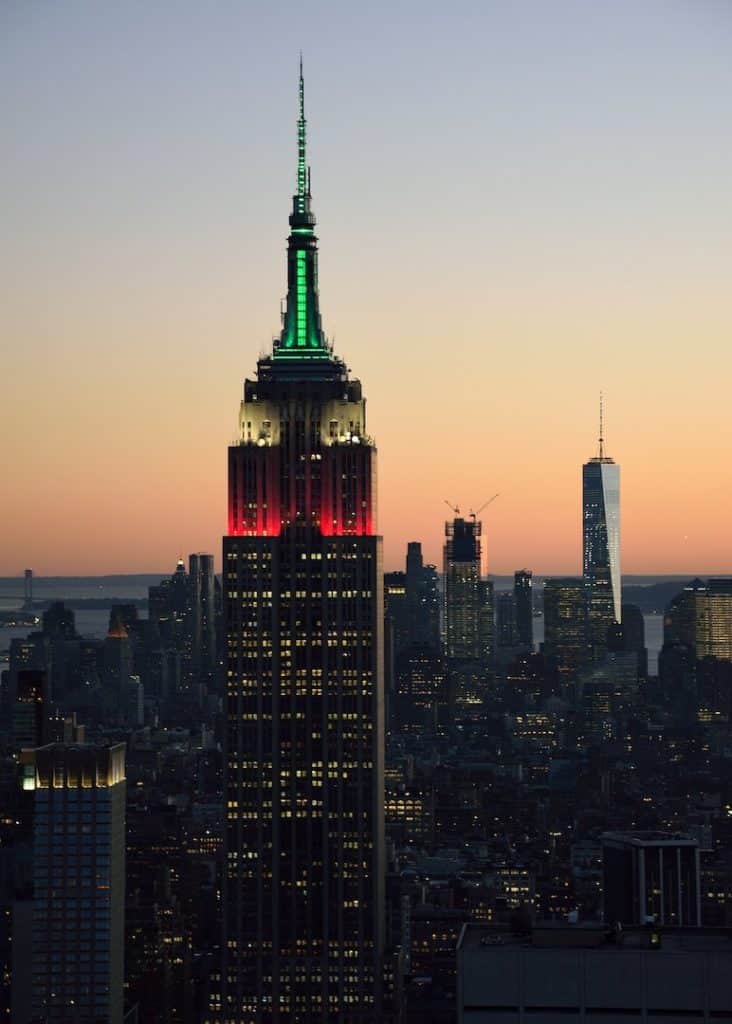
x: 144, y: 272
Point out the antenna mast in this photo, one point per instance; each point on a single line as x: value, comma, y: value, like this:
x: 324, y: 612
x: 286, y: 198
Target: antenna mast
x: 602, y: 439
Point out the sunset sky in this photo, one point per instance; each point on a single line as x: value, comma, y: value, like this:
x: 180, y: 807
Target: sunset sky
x: 519, y: 205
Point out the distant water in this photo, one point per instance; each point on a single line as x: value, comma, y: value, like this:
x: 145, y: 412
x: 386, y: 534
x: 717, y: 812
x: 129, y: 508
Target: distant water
x: 54, y: 588
x: 90, y: 622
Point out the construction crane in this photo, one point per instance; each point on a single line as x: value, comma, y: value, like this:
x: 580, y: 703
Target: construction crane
x: 455, y: 508
x: 474, y: 515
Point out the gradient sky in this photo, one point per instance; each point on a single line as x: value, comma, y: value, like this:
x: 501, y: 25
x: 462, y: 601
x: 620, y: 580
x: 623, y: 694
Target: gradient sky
x: 519, y: 204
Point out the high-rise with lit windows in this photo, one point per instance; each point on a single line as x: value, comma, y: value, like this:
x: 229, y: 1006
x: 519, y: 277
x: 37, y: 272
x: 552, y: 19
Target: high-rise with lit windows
x: 303, y: 616
x: 601, y: 543
x: 68, y: 946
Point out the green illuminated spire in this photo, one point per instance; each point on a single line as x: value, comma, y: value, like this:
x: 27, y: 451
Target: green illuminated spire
x: 302, y: 334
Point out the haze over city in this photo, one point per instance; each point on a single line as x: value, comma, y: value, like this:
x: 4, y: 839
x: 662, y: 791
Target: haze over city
x: 518, y: 207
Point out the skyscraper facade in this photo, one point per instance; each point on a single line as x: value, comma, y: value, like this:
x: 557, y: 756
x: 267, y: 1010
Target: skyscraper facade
x: 423, y: 602
x: 203, y: 616
x: 465, y: 597
x: 601, y: 544
x: 565, y: 638
x: 523, y: 595
x: 303, y: 618
x: 69, y: 964
x: 700, y: 618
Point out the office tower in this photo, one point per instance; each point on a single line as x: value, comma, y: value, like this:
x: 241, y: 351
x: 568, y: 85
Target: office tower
x: 700, y: 618
x: 303, y: 609
x: 59, y: 622
x: 396, y: 610
x: 422, y: 598
x: 201, y: 579
x: 69, y: 964
x: 396, y: 640
x: 601, y: 543
x: 28, y: 589
x: 633, y: 634
x: 169, y: 611
x: 565, y: 642
x: 30, y: 712
x: 650, y: 877
x: 169, y: 600
x: 31, y: 652
x: 117, y: 662
x: 486, y: 622
x: 464, y: 597
x: 420, y: 688
x: 59, y: 625
x: 523, y: 596
x: 506, y: 634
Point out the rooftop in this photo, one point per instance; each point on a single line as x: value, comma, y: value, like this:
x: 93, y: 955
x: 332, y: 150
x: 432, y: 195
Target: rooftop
x: 592, y: 935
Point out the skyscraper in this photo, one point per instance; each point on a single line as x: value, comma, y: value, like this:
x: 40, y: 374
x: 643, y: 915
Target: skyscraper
x: 203, y: 616
x: 565, y: 642
x: 700, y: 618
x: 523, y: 595
x: 506, y: 634
x: 69, y: 964
x: 303, y: 618
x: 601, y: 543
x: 465, y: 597
x: 31, y: 711
x: 423, y: 602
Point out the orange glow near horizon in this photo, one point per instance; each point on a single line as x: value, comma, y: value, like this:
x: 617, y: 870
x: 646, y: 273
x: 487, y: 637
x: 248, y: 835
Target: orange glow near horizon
x: 113, y: 473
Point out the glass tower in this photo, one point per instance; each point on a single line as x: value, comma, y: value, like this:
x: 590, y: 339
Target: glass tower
x: 601, y: 543
x: 303, y: 617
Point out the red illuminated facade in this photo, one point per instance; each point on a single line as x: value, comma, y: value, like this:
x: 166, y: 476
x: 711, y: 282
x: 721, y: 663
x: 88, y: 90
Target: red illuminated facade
x: 304, y: 457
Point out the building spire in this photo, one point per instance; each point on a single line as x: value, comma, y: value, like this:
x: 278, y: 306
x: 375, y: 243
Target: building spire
x: 302, y: 166
x: 602, y: 439
x: 302, y: 332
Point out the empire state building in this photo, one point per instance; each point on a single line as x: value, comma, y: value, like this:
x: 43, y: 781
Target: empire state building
x: 303, y: 609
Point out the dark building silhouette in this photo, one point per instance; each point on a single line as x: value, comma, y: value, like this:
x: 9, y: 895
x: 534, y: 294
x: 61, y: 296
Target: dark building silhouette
x: 523, y: 596
x: 201, y: 579
x: 651, y: 877
x: 28, y: 589
x: 33, y: 652
x: 506, y: 632
x: 423, y: 599
x: 630, y: 636
x: 303, y: 605
x: 420, y: 689
x: 31, y: 710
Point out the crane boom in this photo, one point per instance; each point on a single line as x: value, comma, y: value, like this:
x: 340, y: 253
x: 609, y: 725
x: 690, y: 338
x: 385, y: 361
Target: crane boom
x: 484, y: 505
